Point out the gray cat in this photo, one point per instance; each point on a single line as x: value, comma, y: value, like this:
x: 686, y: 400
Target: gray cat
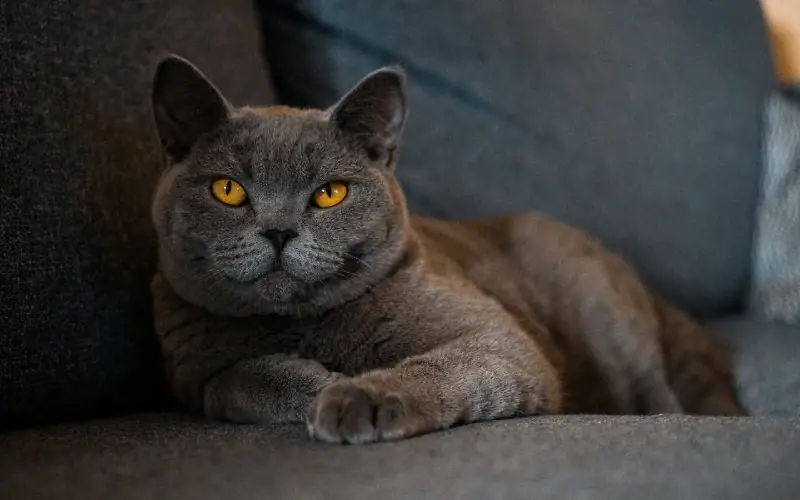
x: 294, y: 286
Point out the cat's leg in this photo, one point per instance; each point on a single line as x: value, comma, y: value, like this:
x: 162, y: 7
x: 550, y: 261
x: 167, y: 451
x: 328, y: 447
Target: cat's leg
x: 700, y: 370
x: 608, y: 309
x: 230, y: 368
x: 596, y: 303
x: 480, y: 376
x: 275, y: 388
x: 657, y: 358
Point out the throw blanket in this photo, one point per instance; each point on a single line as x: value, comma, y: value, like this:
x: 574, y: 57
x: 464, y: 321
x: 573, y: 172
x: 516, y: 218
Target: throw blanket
x: 776, y: 282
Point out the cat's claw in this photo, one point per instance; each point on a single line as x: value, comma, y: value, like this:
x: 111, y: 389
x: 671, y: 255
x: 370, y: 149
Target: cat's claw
x: 353, y: 411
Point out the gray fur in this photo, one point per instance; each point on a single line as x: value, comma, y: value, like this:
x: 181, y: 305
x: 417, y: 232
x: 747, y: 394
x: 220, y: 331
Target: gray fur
x: 373, y: 324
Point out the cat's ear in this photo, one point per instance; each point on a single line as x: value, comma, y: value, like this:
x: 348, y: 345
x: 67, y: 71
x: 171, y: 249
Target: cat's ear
x: 186, y: 105
x: 374, y: 113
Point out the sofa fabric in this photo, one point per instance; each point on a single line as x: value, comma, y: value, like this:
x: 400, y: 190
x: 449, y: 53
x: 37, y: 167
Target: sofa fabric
x: 775, y: 293
x: 78, y: 158
x: 588, y: 458
x: 637, y: 121
x: 766, y: 360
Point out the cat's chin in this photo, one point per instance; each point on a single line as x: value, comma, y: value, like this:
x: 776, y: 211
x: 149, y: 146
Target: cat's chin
x: 288, y: 289
x: 280, y: 289
x: 284, y: 294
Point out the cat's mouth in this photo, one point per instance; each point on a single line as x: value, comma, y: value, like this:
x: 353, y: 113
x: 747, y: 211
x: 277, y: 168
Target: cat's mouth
x: 274, y: 272
x: 282, y: 275
x: 275, y: 276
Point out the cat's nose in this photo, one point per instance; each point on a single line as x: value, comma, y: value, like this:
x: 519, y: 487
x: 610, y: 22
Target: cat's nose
x: 278, y: 237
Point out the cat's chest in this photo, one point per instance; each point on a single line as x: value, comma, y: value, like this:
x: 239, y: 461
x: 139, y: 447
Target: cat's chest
x: 369, y: 333
x: 353, y: 339
x: 389, y: 323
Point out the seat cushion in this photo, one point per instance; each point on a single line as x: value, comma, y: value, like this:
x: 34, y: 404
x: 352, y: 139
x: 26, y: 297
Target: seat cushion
x: 639, y: 122
x: 658, y: 458
x: 767, y: 356
x: 79, y: 158
x: 587, y: 457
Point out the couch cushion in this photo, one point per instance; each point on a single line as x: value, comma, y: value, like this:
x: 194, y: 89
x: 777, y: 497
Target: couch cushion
x: 586, y: 458
x: 78, y: 159
x: 767, y: 364
x: 637, y: 121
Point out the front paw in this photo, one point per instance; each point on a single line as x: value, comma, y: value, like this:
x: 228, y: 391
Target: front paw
x: 357, y: 411
x: 275, y: 388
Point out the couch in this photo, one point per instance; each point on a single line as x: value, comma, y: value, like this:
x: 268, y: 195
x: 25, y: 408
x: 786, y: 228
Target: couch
x: 640, y: 122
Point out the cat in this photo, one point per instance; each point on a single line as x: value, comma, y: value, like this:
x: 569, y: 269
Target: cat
x: 294, y: 286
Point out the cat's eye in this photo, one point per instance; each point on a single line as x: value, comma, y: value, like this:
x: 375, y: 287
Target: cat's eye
x: 229, y: 192
x: 329, y: 195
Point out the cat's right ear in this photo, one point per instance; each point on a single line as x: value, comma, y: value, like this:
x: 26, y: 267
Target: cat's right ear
x: 186, y: 105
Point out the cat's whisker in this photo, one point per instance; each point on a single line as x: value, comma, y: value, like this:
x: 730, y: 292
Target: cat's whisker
x: 341, y: 273
x: 330, y: 259
x: 323, y: 251
x: 226, y: 257
x: 214, y: 278
x: 359, y: 260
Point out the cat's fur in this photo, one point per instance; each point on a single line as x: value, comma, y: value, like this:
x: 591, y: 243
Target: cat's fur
x: 373, y: 324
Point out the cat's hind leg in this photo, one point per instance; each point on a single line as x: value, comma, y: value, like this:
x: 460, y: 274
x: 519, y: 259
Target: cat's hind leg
x: 596, y: 306
x: 699, y: 370
x: 607, y: 309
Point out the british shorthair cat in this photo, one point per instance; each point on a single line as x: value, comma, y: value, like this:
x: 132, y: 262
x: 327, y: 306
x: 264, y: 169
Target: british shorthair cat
x: 294, y: 286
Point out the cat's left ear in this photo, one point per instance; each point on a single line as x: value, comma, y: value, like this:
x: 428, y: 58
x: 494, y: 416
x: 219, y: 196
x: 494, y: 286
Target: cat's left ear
x: 374, y: 112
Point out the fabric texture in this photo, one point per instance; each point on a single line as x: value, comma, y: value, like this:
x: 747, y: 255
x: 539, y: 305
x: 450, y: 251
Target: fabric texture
x: 639, y: 122
x: 766, y: 360
x: 79, y: 157
x: 591, y: 457
x: 776, y: 279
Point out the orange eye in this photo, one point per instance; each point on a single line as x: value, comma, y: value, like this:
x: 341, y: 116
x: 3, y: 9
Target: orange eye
x: 329, y: 195
x: 229, y: 192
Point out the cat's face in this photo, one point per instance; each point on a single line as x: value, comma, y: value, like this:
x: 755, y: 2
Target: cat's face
x: 276, y: 210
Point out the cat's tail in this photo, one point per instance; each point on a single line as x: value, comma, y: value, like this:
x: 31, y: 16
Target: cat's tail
x: 699, y: 369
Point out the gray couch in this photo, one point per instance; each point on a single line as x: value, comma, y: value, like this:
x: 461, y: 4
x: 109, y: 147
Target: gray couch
x: 640, y: 122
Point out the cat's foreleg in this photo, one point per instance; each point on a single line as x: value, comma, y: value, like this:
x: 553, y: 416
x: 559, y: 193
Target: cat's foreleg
x: 481, y: 376
x: 275, y: 388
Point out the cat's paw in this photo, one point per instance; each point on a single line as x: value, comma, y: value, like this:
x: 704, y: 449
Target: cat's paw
x: 356, y: 411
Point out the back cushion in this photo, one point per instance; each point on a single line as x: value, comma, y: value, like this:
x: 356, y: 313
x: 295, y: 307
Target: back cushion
x: 636, y: 121
x: 79, y: 160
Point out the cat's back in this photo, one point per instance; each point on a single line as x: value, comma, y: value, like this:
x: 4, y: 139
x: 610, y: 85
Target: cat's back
x: 527, y: 261
x: 511, y: 243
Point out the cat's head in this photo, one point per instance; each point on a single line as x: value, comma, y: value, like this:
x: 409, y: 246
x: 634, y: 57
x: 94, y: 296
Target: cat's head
x: 277, y: 210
